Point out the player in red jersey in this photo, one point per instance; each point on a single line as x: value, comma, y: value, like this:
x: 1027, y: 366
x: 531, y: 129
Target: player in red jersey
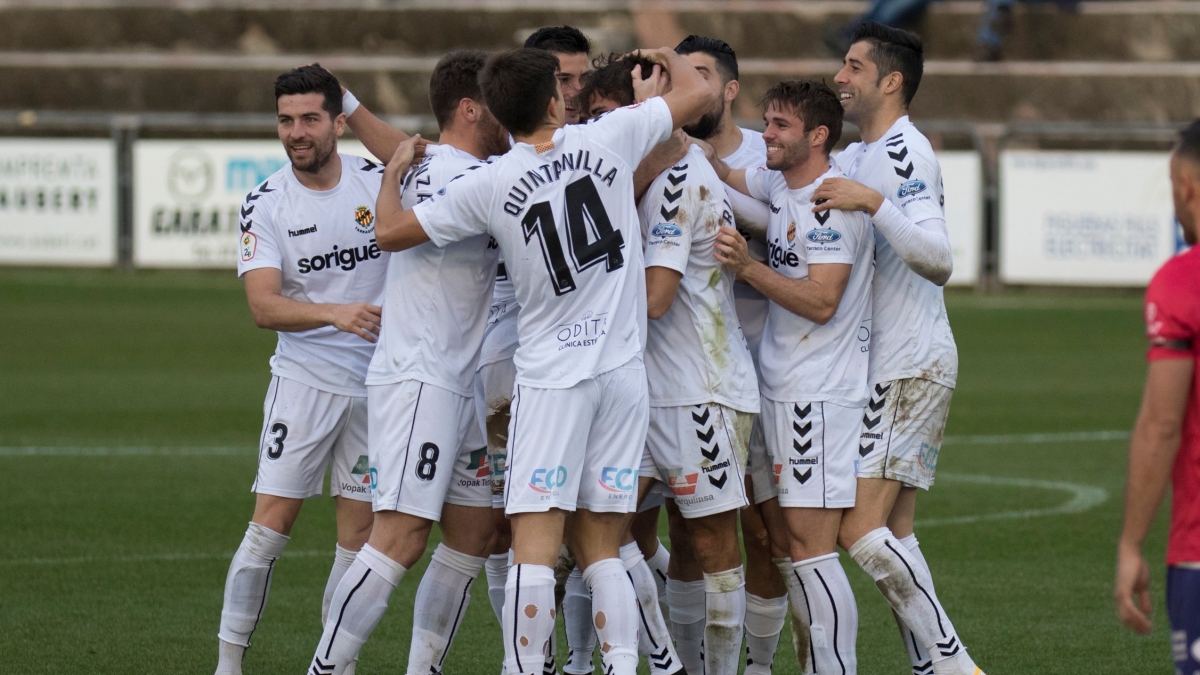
x: 1166, y: 438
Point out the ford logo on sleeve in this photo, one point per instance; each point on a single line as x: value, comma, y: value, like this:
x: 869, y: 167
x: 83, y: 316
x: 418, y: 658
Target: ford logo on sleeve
x: 911, y: 188
x: 823, y: 236
x: 666, y: 230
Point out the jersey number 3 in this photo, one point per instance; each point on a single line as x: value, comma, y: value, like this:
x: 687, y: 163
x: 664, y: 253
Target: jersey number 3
x: 586, y: 218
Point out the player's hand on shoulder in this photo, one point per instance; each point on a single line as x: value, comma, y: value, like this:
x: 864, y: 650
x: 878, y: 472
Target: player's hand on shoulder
x: 668, y: 153
x: 406, y: 153
x: 1132, y: 589
x: 731, y: 250
x: 844, y: 194
x: 359, y: 318
x: 710, y: 153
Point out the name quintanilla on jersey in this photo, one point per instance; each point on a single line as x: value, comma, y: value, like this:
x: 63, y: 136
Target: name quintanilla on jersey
x: 346, y: 258
x: 548, y: 173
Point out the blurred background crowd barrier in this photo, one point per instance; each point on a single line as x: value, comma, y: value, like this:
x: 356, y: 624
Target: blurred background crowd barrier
x: 130, y: 130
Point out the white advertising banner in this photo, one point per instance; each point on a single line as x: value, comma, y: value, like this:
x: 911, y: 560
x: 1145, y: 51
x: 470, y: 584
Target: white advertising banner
x: 962, y: 175
x: 1084, y: 218
x: 58, y: 201
x: 187, y: 195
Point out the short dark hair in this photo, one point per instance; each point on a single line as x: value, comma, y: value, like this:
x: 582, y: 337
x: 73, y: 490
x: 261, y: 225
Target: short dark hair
x: 1188, y: 145
x: 894, y: 51
x: 612, y: 79
x: 454, y: 78
x: 813, y: 102
x: 720, y: 50
x: 560, y: 40
x: 311, y: 79
x: 517, y: 86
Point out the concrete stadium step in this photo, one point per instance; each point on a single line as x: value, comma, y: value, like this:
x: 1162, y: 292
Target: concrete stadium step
x: 1108, y: 30
x: 169, y: 81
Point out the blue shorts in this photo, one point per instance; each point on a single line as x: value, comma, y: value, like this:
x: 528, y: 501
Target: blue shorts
x: 1183, y: 609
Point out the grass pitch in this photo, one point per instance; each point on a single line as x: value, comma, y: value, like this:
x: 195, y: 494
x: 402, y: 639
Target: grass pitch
x: 130, y: 405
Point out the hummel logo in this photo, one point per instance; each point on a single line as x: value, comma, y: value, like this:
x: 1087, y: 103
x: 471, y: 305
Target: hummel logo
x: 895, y: 140
x: 321, y: 668
x: 875, y: 406
x: 801, y: 413
x: 802, y: 477
x: 906, y: 172
x: 864, y: 450
x: 949, y: 647
x: 701, y: 419
x: 719, y: 482
x: 821, y: 216
x: 871, y: 423
x: 801, y: 447
x: 672, y: 196
x: 676, y: 180
x: 899, y: 156
x: 668, y: 215
x: 711, y: 455
x: 247, y: 210
x: 705, y: 437
x: 802, y: 430
x: 881, y: 390
x: 774, y: 209
x: 923, y: 668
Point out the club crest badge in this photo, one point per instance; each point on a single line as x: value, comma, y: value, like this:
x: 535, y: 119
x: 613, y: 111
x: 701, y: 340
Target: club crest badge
x: 364, y: 220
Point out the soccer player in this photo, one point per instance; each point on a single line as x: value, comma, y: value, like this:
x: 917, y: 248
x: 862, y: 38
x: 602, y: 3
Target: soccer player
x: 572, y: 48
x: 1166, y: 438
x: 764, y: 534
x: 560, y: 205
x: 427, y: 454
x: 894, y: 177
x: 813, y: 356
x: 314, y: 273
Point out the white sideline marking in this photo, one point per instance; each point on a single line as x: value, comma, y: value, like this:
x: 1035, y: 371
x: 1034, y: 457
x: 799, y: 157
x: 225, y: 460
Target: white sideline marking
x: 153, y: 557
x: 1066, y: 437
x: 1083, y: 498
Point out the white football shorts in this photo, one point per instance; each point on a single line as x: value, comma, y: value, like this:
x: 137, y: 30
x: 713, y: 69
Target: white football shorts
x: 306, y: 430
x: 901, y: 431
x: 813, y: 445
x: 758, y: 465
x: 493, y: 399
x: 580, y: 447
x: 700, y: 453
x: 426, y: 449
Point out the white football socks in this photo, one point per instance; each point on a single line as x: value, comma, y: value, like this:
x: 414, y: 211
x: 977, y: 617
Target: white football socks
x: 909, y: 590
x: 342, y: 559
x: 615, y: 615
x: 654, y: 639
x: 725, y: 612
x: 763, y: 624
x: 800, y: 642
x: 528, y: 618
x: 357, y: 605
x: 497, y: 575
x: 658, y: 565
x: 687, y: 622
x: 819, y: 590
x: 918, y: 656
x: 246, y: 588
x: 439, y: 608
x: 577, y: 617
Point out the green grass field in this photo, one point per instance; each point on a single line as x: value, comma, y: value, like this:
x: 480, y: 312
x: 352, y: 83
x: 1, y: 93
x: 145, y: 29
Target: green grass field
x: 130, y: 405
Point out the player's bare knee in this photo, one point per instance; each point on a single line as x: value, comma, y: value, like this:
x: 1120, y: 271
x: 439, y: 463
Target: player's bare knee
x: 400, y: 536
x: 503, y: 540
x: 277, y: 514
x: 715, y: 540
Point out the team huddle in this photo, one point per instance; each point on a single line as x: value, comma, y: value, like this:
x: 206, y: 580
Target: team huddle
x: 593, y: 299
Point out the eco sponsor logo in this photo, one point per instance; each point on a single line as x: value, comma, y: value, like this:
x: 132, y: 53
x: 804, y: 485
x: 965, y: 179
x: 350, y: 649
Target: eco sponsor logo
x: 374, y: 478
x: 361, y: 475
x: 912, y: 187
x: 346, y: 258
x: 617, y: 479
x: 547, y: 481
x: 927, y: 457
x: 478, y: 462
x: 666, y: 230
x: 823, y: 236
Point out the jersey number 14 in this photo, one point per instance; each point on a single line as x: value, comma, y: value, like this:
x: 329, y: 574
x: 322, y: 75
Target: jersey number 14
x: 584, y: 208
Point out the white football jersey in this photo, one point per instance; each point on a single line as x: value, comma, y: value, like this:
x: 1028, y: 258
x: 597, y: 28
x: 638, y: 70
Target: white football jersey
x: 751, y: 305
x: 500, y: 337
x: 912, y: 336
x: 564, y: 216
x: 323, y: 243
x: 436, y: 303
x: 802, y: 360
x: 695, y: 353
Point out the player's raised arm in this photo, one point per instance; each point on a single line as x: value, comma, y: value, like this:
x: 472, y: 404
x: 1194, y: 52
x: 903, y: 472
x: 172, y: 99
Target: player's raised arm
x: 380, y: 138
x: 689, y: 96
x: 395, y: 228
x: 734, y: 178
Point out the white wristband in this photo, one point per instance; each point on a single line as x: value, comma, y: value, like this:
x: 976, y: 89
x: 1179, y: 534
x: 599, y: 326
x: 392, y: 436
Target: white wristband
x: 349, y: 103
